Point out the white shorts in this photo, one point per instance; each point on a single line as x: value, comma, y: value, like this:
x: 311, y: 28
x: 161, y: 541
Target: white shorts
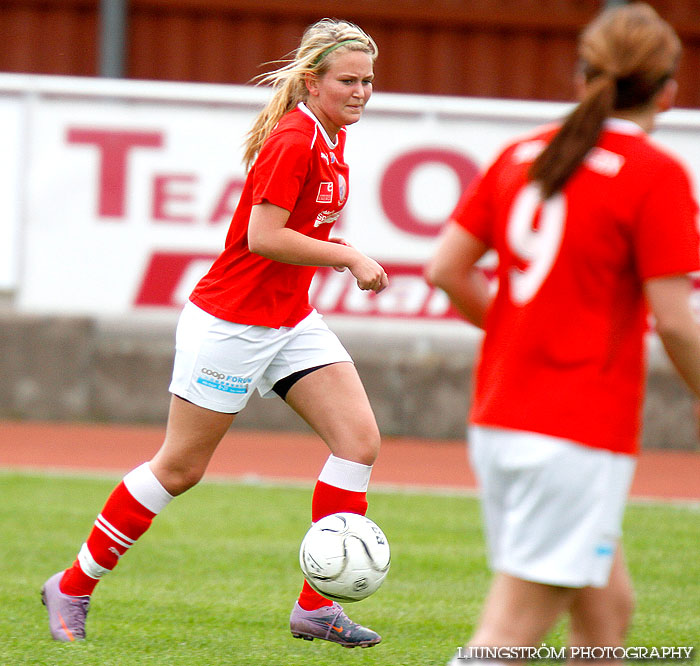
x: 552, y: 508
x: 218, y: 364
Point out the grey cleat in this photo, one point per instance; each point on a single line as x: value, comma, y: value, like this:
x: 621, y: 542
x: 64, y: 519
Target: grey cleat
x: 66, y: 614
x: 330, y: 623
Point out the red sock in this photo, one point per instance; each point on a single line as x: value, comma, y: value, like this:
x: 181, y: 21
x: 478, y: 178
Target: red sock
x: 326, y: 500
x: 122, y: 521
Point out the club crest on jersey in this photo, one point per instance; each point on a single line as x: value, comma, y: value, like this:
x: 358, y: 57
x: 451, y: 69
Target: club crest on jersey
x: 325, y: 193
x: 342, y: 189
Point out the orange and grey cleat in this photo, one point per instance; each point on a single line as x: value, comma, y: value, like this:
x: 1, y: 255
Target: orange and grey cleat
x: 330, y: 623
x: 66, y: 614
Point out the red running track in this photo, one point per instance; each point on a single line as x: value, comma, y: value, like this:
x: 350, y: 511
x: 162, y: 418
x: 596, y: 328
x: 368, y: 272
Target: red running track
x: 405, y: 462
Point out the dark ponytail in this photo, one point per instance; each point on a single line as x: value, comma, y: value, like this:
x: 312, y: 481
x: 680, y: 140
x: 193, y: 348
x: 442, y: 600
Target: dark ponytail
x: 576, y: 137
x: 627, y: 54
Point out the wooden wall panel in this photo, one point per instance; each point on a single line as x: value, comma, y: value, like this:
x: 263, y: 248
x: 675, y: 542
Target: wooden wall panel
x: 689, y: 76
x: 48, y: 37
x: 521, y: 49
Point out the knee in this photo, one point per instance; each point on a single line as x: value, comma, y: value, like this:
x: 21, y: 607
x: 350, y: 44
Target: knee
x: 626, y: 603
x: 367, y: 447
x: 368, y: 454
x: 606, y: 623
x: 358, y: 443
x: 622, y: 606
x: 188, y: 479
x: 177, y: 480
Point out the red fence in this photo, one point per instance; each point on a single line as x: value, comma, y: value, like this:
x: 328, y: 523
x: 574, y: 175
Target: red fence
x: 521, y: 49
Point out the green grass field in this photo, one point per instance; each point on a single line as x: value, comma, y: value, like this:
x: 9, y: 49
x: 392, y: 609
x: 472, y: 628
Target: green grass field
x: 214, y: 580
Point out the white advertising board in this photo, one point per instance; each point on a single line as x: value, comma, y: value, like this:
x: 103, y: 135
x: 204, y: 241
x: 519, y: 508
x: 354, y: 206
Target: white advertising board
x: 131, y: 185
x: 11, y: 171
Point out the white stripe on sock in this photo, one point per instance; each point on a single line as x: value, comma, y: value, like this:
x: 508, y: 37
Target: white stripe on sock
x: 111, y: 535
x: 111, y: 527
x: 88, y: 565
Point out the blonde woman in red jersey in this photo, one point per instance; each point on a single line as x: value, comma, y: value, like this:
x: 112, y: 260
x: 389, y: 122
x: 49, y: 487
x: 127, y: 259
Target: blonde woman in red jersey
x: 248, y: 325
x: 592, y: 224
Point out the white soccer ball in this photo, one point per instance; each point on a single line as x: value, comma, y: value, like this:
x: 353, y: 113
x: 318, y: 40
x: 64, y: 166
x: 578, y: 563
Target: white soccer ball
x: 345, y: 557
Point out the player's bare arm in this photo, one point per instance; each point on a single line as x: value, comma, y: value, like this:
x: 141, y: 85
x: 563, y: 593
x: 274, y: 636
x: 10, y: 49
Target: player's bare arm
x: 269, y: 237
x: 453, y: 269
x: 342, y: 241
x: 669, y: 302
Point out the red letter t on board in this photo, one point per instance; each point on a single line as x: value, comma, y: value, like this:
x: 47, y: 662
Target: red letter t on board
x: 114, y: 147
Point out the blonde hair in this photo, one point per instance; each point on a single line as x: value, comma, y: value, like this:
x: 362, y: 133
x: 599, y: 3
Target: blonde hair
x: 311, y: 57
x: 626, y: 55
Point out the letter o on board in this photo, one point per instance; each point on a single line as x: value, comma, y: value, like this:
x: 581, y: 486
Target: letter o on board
x: 394, y: 185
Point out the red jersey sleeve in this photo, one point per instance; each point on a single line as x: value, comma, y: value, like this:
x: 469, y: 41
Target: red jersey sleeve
x: 474, y: 211
x: 281, y: 169
x: 666, y: 236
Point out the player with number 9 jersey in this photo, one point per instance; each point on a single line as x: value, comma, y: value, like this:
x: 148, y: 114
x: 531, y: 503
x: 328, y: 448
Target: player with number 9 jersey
x: 595, y: 228
x: 565, y: 330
